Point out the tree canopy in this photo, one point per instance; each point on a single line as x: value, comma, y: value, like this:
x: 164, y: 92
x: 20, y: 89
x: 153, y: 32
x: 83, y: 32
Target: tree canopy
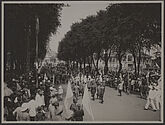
x: 20, y: 30
x: 119, y: 28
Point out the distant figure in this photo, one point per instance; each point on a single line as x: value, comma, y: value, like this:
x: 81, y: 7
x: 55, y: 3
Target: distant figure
x: 93, y: 89
x: 32, y: 104
x: 102, y: 91
x: 151, y: 97
x: 120, y: 87
x: 158, y: 95
x: 40, y: 98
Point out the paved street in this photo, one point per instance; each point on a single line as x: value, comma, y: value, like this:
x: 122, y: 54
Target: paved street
x: 121, y: 108
x: 124, y: 108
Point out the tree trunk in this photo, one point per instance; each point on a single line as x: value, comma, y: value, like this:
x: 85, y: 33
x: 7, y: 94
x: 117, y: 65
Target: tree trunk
x: 120, y: 65
x: 139, y: 61
x: 77, y: 64
x: 84, y: 64
x: 28, y: 49
x: 80, y: 66
x: 106, y: 62
x: 97, y: 62
x: 93, y: 63
x: 134, y: 56
x: 106, y: 66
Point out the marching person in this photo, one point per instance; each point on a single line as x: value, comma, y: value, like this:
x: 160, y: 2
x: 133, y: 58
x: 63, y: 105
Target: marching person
x: 76, y: 90
x: 93, y: 89
x: 98, y: 91
x: 151, y: 97
x: 81, y: 88
x: 120, y: 87
x: 158, y: 95
x: 89, y: 83
x: 102, y: 91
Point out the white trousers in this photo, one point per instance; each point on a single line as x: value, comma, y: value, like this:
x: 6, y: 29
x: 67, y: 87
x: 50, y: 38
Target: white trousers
x: 158, y: 102
x: 150, y: 102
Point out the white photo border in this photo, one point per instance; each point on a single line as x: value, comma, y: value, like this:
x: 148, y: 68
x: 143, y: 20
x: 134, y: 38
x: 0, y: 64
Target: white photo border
x: 53, y: 2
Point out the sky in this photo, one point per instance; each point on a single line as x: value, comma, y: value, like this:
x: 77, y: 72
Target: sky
x: 72, y: 14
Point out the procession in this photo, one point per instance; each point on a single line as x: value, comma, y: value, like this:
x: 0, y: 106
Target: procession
x: 97, y: 62
x: 25, y: 103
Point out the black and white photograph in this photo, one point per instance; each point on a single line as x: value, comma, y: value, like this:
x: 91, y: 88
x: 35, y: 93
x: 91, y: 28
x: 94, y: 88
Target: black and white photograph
x: 82, y: 62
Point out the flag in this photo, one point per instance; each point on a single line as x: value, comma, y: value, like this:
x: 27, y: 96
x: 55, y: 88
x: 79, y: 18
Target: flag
x: 37, y: 25
x: 68, y: 99
x: 88, y: 114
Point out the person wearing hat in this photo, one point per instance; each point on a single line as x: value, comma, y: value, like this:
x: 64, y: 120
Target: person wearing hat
x: 102, y: 91
x: 60, y: 92
x: 53, y: 91
x: 26, y: 92
x: 55, y: 111
x: 151, y: 97
x: 120, y: 87
x: 78, y: 114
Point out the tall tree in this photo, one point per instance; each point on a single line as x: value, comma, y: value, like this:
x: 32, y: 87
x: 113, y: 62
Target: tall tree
x: 20, y: 19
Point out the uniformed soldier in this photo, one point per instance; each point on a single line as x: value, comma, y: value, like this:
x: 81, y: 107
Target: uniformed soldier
x: 81, y: 88
x: 102, y: 91
x: 76, y: 90
x: 89, y: 83
x: 98, y: 90
x: 93, y: 89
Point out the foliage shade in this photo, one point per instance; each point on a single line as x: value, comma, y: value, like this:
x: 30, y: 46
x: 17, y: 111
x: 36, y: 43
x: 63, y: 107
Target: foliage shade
x: 121, y: 28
